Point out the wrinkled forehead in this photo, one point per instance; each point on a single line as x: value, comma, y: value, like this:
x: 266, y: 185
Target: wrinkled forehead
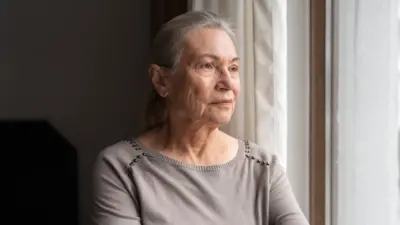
x: 208, y: 41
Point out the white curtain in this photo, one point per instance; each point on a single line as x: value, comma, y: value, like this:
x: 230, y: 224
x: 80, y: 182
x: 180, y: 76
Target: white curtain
x: 260, y: 25
x: 366, y: 157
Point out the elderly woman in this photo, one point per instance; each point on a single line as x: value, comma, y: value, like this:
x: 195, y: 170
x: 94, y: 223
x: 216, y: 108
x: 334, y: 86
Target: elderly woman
x: 184, y: 170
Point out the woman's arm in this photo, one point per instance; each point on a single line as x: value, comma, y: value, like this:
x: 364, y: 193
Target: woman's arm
x: 113, y: 204
x: 284, y: 209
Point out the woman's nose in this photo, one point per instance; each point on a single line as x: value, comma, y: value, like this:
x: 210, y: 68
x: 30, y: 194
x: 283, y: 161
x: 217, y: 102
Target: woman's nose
x: 224, y: 80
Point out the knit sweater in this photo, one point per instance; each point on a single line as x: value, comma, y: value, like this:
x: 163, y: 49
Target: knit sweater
x: 135, y: 185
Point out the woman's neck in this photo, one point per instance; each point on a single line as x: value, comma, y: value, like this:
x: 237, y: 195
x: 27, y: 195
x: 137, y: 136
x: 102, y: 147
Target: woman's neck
x: 194, y: 139
x: 194, y: 144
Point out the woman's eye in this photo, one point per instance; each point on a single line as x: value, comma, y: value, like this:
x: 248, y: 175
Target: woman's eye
x: 234, y: 68
x: 207, y: 66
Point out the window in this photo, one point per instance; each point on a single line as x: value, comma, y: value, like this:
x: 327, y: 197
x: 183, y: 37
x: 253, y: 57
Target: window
x: 364, y: 159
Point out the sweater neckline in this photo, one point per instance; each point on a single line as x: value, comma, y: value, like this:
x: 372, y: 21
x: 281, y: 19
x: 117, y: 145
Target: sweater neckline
x: 159, y: 156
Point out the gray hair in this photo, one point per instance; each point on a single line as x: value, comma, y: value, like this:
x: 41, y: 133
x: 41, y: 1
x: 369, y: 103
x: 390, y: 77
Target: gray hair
x: 167, y: 44
x: 166, y: 52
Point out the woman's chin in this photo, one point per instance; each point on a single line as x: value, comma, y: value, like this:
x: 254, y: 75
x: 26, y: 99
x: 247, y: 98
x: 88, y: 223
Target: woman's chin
x: 221, y: 119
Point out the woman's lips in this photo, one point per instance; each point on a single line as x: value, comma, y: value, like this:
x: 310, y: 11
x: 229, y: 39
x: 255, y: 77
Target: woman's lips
x: 227, y: 101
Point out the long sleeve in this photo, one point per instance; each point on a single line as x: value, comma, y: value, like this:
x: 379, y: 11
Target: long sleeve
x: 284, y: 209
x: 112, y: 204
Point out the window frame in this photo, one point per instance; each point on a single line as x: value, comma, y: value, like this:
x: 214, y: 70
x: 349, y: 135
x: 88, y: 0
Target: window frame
x: 320, y: 111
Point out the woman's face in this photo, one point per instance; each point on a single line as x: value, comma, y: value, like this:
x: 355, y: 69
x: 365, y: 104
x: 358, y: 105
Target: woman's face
x: 206, y: 83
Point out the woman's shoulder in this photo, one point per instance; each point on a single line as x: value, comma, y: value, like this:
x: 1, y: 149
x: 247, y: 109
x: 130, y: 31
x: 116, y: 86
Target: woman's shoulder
x: 118, y: 155
x: 254, y: 151
x: 257, y: 152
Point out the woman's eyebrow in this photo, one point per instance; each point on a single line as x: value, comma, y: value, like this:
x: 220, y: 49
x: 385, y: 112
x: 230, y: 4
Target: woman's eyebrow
x: 205, y: 55
x: 216, y: 57
x: 235, y: 59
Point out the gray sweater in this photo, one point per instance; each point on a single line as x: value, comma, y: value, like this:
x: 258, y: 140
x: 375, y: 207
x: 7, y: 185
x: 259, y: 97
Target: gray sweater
x: 134, y: 185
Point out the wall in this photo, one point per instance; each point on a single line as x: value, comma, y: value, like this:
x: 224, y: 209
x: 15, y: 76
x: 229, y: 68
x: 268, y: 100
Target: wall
x: 79, y: 63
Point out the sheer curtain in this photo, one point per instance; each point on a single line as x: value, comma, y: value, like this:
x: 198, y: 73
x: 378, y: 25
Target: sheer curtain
x: 260, y: 114
x: 366, y: 152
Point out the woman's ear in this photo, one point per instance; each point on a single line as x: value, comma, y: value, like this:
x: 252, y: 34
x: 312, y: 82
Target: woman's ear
x: 158, y: 78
